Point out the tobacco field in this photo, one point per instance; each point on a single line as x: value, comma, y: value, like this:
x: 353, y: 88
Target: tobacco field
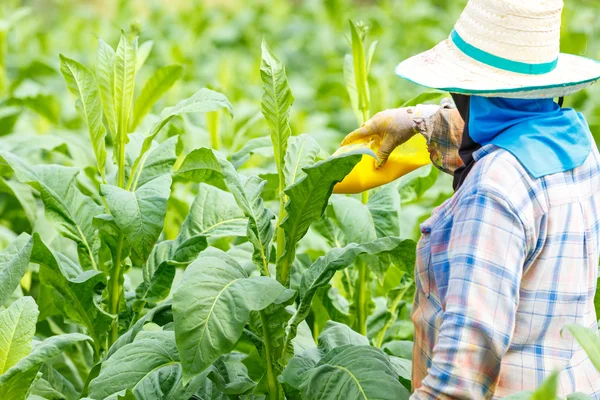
x: 167, y: 223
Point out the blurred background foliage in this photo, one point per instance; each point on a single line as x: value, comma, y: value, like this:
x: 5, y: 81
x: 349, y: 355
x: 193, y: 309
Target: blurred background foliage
x: 218, y: 44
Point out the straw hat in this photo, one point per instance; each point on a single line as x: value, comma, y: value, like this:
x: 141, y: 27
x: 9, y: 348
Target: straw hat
x: 503, y: 48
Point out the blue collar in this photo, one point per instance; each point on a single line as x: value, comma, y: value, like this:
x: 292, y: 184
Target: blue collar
x: 545, y: 138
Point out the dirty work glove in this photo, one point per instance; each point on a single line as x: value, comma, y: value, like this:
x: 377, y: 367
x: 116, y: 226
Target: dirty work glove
x: 391, y: 128
x: 441, y: 125
x: 443, y: 131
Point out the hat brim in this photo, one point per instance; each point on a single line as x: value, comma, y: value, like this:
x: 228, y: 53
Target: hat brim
x: 446, y: 68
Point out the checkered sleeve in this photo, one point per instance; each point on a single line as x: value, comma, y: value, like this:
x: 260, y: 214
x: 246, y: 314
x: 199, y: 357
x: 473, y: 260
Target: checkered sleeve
x: 486, y: 250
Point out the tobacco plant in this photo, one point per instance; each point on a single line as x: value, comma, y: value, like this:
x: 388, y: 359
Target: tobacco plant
x: 233, y: 301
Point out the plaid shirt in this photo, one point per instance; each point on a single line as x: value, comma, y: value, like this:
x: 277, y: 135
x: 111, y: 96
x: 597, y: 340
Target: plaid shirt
x: 502, y: 267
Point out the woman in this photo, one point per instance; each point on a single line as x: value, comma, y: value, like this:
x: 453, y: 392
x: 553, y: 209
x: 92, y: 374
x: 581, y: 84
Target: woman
x: 512, y: 257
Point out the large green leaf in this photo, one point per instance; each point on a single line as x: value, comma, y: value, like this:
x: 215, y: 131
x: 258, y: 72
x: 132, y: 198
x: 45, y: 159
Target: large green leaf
x: 322, y: 270
x: 124, y: 85
x: 149, y: 367
x: 301, y: 153
x: 17, y: 327
x: 131, y: 334
x: 276, y: 102
x: 15, y: 383
x: 203, y: 100
x: 24, y: 195
x: 211, y: 307
x: 384, y: 207
x: 354, y: 219
x: 589, y: 340
x: 156, y: 86
x: 205, y: 165
x: 13, y: 264
x: 63, y: 201
x: 353, y: 373
x: 308, y: 199
x: 140, y: 215
x: 105, y: 75
x: 75, y: 291
x: 82, y: 84
x: 157, y: 162
x: 214, y: 213
x: 333, y: 335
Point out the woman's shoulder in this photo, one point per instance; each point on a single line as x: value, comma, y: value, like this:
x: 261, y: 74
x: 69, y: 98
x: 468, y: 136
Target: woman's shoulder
x: 499, y: 173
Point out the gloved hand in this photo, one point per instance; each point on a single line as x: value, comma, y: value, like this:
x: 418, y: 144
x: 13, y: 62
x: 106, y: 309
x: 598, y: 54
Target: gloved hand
x: 391, y: 128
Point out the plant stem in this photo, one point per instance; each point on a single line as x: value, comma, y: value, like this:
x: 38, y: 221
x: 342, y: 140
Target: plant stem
x: 284, y: 265
x: 2, y: 61
x: 361, y: 292
x: 393, y: 318
x: 115, y: 291
x: 271, y: 379
x: 212, y: 125
x: 365, y: 197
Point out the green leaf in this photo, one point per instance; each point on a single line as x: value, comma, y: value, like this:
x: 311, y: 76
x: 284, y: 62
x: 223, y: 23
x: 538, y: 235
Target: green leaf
x: 214, y: 213
x: 336, y: 335
x: 140, y: 215
x: 105, y: 75
x: 261, y: 145
x: 353, y: 372
x: 203, y: 100
x: 230, y: 375
x: 45, y: 105
x: 131, y: 334
x: 17, y: 327
x: 157, y: 162
x: 360, y: 73
x: 301, y: 153
x: 149, y: 367
x: 82, y: 84
x: 158, y: 84
x: 13, y: 264
x: 75, y: 290
x: 428, y: 96
x: 24, y: 196
x: 350, y: 81
x: 63, y: 201
x: 142, y: 54
x: 211, y: 307
x: 157, y: 288
x: 322, y: 270
x: 276, y: 102
x: 354, y: 219
x: 399, y: 348
x: 308, y: 199
x: 384, y: 207
x: 15, y: 383
x: 205, y: 165
x: 589, y: 340
x: 124, y: 85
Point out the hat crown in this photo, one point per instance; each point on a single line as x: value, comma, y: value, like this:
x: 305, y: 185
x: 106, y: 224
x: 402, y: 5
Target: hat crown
x: 524, y: 31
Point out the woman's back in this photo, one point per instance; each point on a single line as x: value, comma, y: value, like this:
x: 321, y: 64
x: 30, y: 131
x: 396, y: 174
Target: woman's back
x: 511, y: 305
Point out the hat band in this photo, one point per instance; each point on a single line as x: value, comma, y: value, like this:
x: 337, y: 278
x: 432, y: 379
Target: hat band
x: 499, y: 62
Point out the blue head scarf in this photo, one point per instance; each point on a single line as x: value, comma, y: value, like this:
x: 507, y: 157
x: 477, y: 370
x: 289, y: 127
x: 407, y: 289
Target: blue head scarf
x: 545, y: 138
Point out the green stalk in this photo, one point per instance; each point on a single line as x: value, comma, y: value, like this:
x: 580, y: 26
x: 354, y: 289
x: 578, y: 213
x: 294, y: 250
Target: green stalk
x: 2, y: 62
x: 393, y: 318
x: 212, y: 124
x: 271, y: 376
x: 115, y: 291
x: 361, y: 291
x: 121, y: 162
